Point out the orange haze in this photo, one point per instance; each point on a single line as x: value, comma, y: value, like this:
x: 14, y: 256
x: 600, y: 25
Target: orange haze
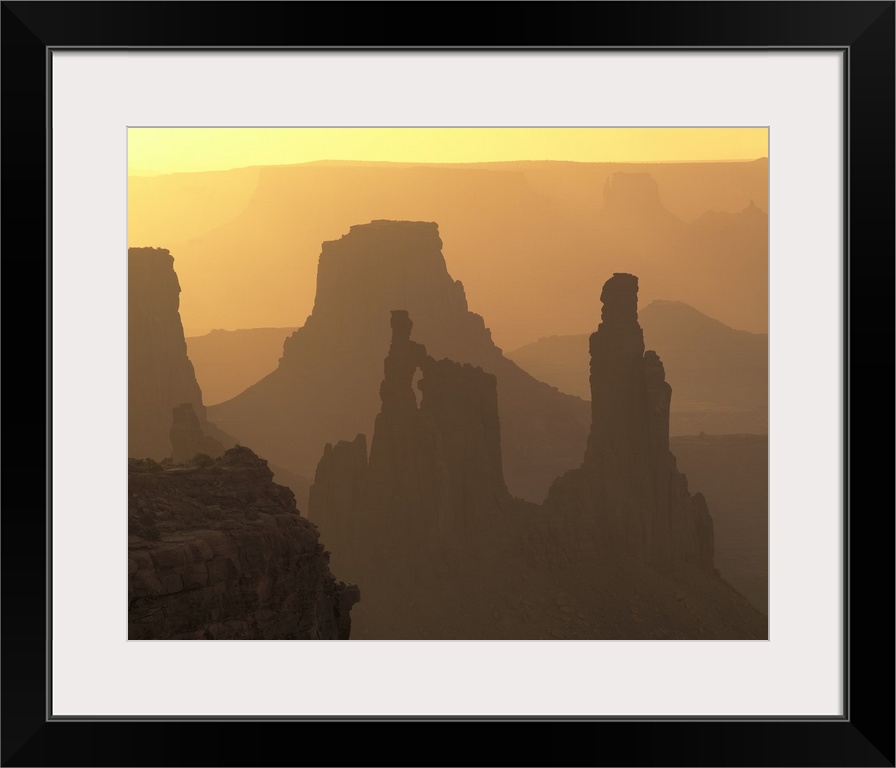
x: 531, y: 240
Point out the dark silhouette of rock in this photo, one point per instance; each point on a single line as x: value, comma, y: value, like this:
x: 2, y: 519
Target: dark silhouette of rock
x: 402, y: 483
x: 216, y: 549
x: 160, y: 375
x: 732, y: 472
x: 433, y: 470
x: 220, y: 552
x: 337, y: 496
x: 463, y: 403
x: 720, y: 375
x: 325, y: 387
x: 629, y: 481
x: 441, y: 549
x: 187, y: 438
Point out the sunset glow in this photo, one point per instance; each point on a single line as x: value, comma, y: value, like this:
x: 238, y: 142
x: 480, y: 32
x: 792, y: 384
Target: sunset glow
x: 175, y: 150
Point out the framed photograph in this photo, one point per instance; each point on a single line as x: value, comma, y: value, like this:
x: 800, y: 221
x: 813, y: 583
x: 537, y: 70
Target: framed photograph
x: 89, y: 87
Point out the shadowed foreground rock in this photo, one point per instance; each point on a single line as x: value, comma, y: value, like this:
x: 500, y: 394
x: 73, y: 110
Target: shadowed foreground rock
x: 219, y: 552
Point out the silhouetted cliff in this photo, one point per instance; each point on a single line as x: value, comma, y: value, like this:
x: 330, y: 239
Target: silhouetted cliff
x: 187, y: 437
x: 160, y: 375
x: 732, y: 473
x: 216, y: 549
x: 218, y: 552
x: 325, y: 387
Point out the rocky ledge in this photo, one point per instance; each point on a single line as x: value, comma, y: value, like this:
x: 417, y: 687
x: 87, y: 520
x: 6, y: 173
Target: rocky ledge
x: 218, y: 551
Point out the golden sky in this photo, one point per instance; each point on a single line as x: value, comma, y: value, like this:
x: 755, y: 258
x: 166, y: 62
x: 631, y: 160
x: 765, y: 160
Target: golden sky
x: 174, y: 150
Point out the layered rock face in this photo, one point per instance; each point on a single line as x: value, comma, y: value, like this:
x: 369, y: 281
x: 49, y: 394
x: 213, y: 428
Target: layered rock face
x: 220, y: 552
x: 326, y: 384
x: 160, y: 375
x: 434, y: 469
x: 629, y: 481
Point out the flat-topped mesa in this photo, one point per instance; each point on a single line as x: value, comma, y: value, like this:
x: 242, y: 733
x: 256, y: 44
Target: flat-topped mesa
x: 631, y: 193
x: 633, y: 219
x: 327, y: 385
x: 368, y: 270
x: 629, y: 482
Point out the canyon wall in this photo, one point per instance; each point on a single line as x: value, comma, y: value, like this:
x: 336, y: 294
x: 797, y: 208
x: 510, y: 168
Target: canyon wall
x: 216, y: 549
x: 160, y: 374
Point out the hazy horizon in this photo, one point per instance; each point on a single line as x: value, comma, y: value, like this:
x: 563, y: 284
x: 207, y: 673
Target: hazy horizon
x: 163, y: 151
x: 534, y: 209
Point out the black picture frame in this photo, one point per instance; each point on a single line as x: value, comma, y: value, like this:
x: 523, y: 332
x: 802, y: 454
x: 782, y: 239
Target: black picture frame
x: 863, y: 31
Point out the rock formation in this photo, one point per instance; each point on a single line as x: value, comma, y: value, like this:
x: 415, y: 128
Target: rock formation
x: 633, y: 221
x: 494, y: 217
x: 720, y: 374
x: 326, y: 384
x: 338, y: 495
x: 433, y: 470
x: 629, y: 481
x: 633, y: 195
x: 732, y: 472
x: 160, y: 375
x: 187, y: 438
x: 442, y: 551
x: 220, y: 552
